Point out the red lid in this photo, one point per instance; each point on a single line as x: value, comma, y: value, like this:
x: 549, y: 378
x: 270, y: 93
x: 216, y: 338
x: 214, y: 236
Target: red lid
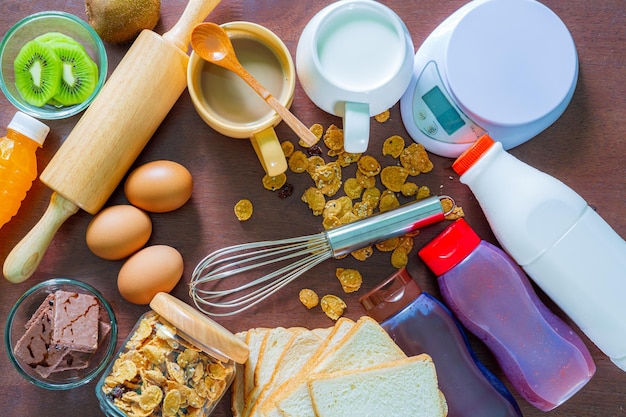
x: 391, y: 296
x: 450, y: 247
x: 472, y: 154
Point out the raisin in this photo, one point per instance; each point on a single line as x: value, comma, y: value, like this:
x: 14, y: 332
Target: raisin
x: 285, y: 191
x: 315, y: 150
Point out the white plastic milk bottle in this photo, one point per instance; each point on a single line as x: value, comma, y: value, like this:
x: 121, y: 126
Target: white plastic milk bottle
x: 576, y: 258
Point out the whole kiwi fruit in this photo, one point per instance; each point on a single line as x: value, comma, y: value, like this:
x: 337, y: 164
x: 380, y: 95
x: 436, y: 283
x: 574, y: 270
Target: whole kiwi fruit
x: 120, y: 21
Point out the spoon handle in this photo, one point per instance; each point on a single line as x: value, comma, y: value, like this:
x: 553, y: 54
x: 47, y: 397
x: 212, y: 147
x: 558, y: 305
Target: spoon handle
x: 292, y: 121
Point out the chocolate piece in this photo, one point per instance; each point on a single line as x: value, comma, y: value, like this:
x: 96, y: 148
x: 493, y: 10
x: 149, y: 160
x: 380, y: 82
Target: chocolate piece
x: 62, y: 334
x: 75, y: 321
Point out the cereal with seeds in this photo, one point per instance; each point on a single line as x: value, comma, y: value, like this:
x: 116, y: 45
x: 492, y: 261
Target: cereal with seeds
x: 368, y: 166
x: 315, y: 199
x: 415, y: 158
x: 327, y: 178
x: 393, y: 145
x: 364, y: 180
x: 243, y: 210
x: 409, y: 189
x: 163, y: 375
x: 344, y: 158
x: 388, y: 200
x: 362, y: 254
x: 333, y: 138
x: 308, y: 298
x: 315, y: 162
x: 388, y: 245
x: 350, y: 279
x: 393, y: 177
x: 333, y: 306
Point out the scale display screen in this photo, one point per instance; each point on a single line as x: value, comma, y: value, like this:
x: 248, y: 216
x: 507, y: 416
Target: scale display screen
x: 445, y: 114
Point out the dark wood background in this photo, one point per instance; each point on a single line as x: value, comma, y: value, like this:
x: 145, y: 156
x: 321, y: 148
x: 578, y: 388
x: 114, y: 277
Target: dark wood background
x: 585, y: 148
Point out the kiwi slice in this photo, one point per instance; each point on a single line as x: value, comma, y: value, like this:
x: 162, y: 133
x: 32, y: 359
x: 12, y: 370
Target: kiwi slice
x: 37, y: 73
x: 53, y: 37
x: 79, y: 74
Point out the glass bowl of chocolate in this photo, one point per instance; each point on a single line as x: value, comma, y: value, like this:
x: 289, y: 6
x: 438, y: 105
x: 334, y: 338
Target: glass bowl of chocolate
x: 60, y: 334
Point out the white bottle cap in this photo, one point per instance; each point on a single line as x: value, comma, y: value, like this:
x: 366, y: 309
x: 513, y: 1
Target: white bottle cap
x: 29, y: 126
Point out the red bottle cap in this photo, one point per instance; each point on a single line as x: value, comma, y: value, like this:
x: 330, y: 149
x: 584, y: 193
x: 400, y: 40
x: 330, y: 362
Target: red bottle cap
x: 391, y: 296
x: 450, y: 247
x: 472, y: 154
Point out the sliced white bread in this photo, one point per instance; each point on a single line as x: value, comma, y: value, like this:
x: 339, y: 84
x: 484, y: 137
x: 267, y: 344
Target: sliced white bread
x: 237, y: 403
x: 301, y: 348
x: 272, y: 350
x: 401, y: 388
x: 254, y: 339
x: 268, y: 408
x: 366, y: 344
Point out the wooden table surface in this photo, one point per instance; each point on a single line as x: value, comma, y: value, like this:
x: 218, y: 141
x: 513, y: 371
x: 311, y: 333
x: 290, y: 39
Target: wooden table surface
x: 584, y: 148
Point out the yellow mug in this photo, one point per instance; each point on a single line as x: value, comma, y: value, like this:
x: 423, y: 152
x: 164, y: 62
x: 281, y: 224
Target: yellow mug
x: 231, y: 107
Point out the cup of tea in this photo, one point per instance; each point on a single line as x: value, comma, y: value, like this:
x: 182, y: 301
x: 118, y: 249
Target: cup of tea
x: 230, y: 106
x: 354, y: 59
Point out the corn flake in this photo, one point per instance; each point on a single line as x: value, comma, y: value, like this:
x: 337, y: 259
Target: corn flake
x: 274, y: 183
x: 388, y: 201
x: 350, y: 279
x: 287, y: 148
x: 388, y: 245
x: 344, y: 158
x: 315, y: 199
x: 333, y: 306
x: 399, y: 258
x: 171, y: 403
x: 308, y: 298
x: 393, y: 145
x: 243, y: 210
x: 298, y: 162
x: 364, y: 180
x: 327, y: 178
x: 352, y: 188
x: 333, y: 138
x: 409, y: 189
x: 382, y: 117
x: 415, y: 159
x: 368, y: 166
x: 362, y: 254
x: 393, y: 177
x: 317, y: 130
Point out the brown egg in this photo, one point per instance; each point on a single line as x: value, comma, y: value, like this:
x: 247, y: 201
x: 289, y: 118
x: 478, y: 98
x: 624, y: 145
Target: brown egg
x: 151, y: 270
x: 118, y: 231
x: 159, y: 186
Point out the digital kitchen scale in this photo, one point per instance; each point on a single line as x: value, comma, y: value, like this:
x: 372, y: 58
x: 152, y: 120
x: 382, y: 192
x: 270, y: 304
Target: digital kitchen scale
x: 503, y: 67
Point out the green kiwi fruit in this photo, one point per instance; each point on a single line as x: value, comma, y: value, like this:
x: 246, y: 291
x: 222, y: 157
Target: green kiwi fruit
x: 120, y: 21
x: 37, y: 73
x: 79, y: 75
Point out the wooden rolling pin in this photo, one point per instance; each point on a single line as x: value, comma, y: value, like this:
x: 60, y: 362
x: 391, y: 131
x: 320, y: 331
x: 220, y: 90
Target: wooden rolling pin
x: 112, y: 132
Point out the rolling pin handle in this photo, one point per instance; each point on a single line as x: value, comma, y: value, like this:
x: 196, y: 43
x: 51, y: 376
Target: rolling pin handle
x: 27, y: 254
x: 195, y: 12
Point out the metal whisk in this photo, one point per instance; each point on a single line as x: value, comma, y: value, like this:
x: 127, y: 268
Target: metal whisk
x: 297, y: 255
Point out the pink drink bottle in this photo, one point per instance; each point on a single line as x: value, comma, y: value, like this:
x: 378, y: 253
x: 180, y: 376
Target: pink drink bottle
x: 563, y: 245
x: 540, y: 354
x: 419, y: 323
x: 18, y: 163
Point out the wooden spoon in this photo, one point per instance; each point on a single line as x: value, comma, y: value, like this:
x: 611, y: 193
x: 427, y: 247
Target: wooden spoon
x: 211, y: 43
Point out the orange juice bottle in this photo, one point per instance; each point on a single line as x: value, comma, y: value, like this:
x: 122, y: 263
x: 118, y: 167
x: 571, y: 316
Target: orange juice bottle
x: 18, y: 163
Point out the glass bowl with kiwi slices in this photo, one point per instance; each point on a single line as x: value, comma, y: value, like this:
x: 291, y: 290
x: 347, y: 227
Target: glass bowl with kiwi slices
x: 52, y: 65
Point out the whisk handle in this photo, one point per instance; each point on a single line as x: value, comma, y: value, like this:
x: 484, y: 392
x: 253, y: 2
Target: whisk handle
x: 385, y: 225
